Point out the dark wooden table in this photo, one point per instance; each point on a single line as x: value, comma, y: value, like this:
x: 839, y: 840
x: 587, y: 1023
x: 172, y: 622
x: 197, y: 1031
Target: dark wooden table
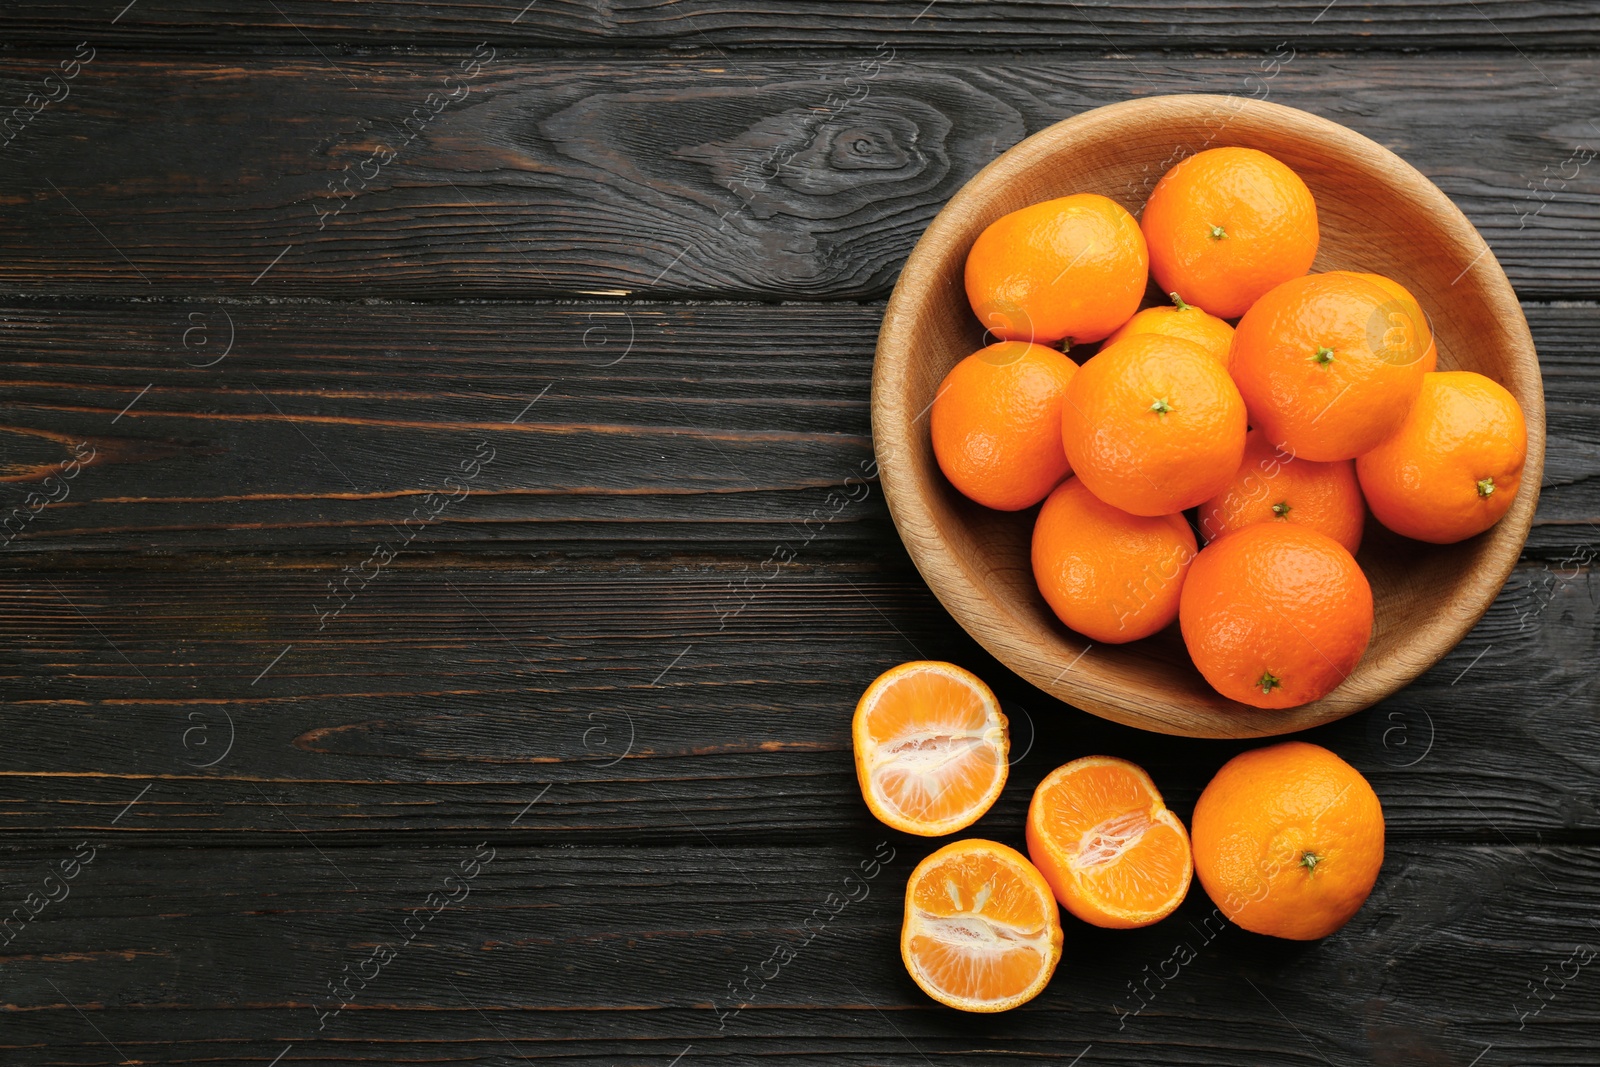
x: 432, y: 608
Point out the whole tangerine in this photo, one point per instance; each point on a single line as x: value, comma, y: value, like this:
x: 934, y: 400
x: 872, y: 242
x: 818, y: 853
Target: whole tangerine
x: 1322, y: 368
x: 996, y: 424
x: 1153, y: 424
x: 1074, y: 267
x: 1275, y: 615
x: 1226, y: 225
x: 1272, y: 486
x: 1111, y: 576
x: 1288, y: 840
x: 1454, y: 466
x: 1183, y: 320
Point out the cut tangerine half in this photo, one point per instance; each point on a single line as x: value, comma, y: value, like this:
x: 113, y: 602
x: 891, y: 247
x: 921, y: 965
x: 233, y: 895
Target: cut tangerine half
x: 1101, y: 835
x: 981, y: 930
x: 931, y: 747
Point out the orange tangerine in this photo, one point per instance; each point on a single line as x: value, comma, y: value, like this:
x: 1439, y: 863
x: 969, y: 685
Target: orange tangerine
x: 1228, y: 224
x: 931, y: 747
x: 1275, y: 615
x: 1074, y: 267
x: 996, y: 424
x: 1181, y: 320
x: 1454, y: 466
x: 981, y: 931
x: 1153, y: 425
x: 1103, y: 838
x: 1111, y: 576
x: 1288, y: 840
x: 1324, y: 370
x: 1273, y: 486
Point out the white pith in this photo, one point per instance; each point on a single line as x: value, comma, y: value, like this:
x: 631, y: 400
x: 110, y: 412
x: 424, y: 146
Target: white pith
x: 929, y: 757
x: 1107, y: 841
x: 981, y: 940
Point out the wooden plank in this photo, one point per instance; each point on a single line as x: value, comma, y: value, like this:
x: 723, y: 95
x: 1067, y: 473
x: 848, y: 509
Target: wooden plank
x: 282, y: 176
x: 608, y: 424
x: 1568, y: 523
x: 655, y: 702
x: 598, y: 954
x: 657, y: 427
x: 704, y: 26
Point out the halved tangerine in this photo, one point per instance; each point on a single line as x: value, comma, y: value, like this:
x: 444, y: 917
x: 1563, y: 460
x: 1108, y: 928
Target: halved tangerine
x: 981, y: 930
x: 1101, y: 835
x: 931, y: 747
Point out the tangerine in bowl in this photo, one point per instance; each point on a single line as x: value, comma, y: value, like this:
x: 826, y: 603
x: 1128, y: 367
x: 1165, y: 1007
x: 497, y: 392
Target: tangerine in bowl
x: 1373, y: 215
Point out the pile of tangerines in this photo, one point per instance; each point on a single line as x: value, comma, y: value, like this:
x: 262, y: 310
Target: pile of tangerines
x: 1280, y: 431
x: 1273, y: 430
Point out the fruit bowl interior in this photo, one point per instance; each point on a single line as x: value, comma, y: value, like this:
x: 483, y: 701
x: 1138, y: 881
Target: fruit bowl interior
x: 1376, y: 213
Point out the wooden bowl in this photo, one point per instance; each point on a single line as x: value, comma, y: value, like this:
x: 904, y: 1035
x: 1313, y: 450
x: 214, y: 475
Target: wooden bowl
x: 1377, y: 213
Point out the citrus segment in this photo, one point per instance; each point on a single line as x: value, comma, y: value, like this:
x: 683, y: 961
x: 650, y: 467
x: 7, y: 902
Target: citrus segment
x: 931, y: 747
x: 1103, y: 838
x: 981, y: 931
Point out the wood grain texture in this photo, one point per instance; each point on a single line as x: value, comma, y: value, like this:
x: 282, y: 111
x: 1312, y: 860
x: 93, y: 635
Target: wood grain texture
x: 808, y: 179
x: 709, y: 27
x: 667, y: 428
x: 611, y: 424
x: 643, y: 954
x: 657, y: 701
x: 609, y: 586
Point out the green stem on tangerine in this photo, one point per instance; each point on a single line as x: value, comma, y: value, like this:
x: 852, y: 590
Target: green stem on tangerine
x: 1177, y: 302
x: 1309, y: 860
x: 1161, y: 407
x: 1218, y: 233
x: 1281, y: 509
x: 1485, y: 487
x: 1323, y: 356
x: 1269, y: 681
